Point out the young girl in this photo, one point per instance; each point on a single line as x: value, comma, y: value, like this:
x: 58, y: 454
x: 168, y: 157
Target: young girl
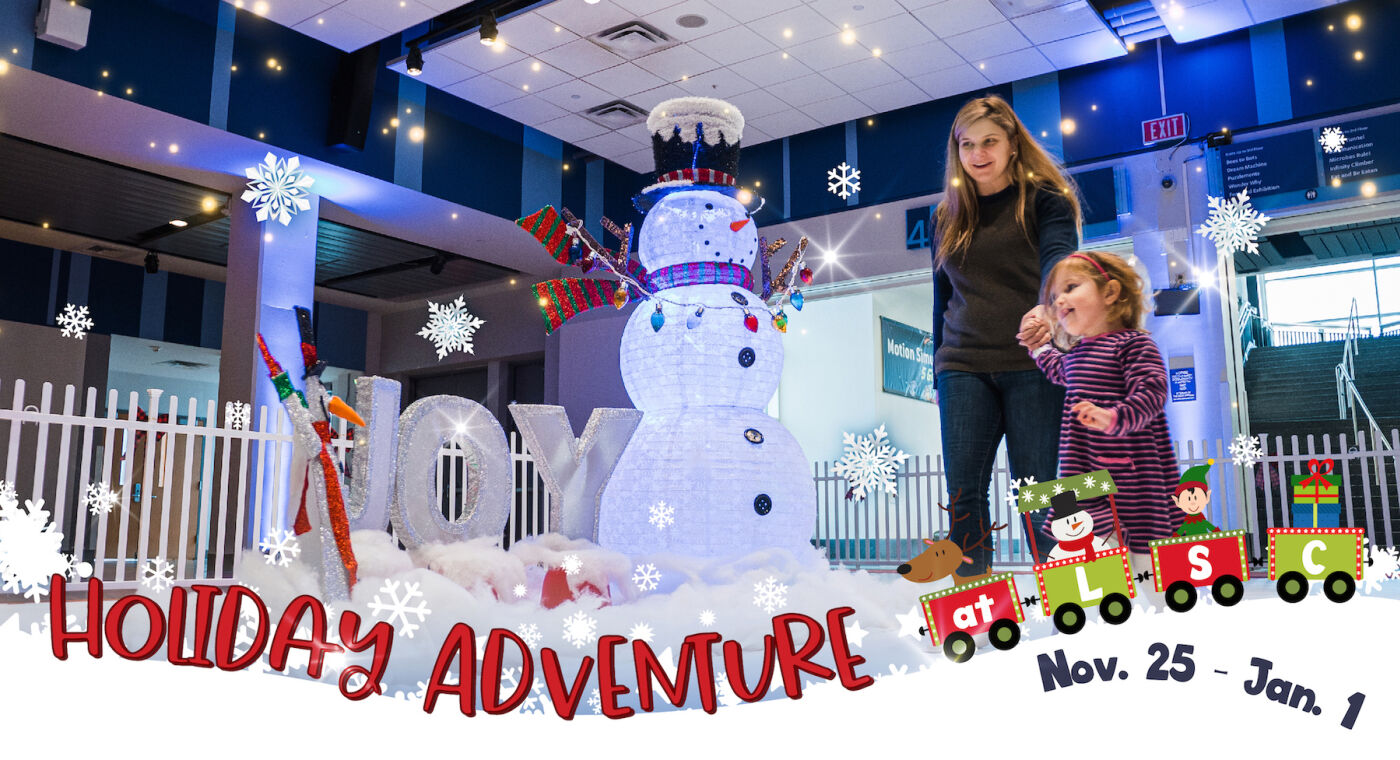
x: 1116, y: 388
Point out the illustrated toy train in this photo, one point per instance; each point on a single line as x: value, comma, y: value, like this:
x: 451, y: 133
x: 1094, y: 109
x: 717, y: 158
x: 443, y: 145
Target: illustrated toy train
x: 1068, y: 586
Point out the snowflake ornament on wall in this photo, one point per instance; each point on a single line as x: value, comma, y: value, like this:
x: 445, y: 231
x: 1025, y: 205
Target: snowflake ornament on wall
x: 75, y: 321
x: 869, y: 463
x: 29, y: 547
x: 1245, y: 451
x: 843, y: 181
x: 277, y: 189
x: 1233, y: 225
x: 398, y: 606
x: 1332, y: 140
x: 237, y: 415
x: 99, y: 498
x: 450, y: 327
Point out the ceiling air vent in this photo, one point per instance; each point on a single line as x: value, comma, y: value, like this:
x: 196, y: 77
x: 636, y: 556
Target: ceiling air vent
x: 615, y: 115
x: 633, y: 39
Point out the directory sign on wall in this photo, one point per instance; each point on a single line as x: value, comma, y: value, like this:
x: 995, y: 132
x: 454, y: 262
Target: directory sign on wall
x: 1364, y: 150
x: 1277, y: 164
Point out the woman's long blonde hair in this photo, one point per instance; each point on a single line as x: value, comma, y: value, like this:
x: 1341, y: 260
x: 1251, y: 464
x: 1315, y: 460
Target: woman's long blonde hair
x: 1030, y: 166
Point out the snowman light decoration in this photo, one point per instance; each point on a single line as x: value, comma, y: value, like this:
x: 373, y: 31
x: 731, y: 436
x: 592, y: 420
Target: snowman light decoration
x: 696, y: 358
x: 1073, y: 529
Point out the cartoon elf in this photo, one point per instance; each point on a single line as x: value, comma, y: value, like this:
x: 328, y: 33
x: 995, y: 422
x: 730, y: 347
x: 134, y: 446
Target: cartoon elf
x: 1192, y: 496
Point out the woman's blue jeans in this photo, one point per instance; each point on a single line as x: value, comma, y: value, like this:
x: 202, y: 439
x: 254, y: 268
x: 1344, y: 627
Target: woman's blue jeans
x: 976, y: 409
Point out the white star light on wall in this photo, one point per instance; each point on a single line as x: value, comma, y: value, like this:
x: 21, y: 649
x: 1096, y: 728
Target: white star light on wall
x: 277, y: 188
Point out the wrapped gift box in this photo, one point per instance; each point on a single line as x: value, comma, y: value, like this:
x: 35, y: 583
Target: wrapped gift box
x: 1317, y: 496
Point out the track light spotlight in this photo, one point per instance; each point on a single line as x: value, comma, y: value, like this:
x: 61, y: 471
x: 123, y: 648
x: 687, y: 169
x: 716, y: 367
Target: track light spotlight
x: 415, y: 61
x: 439, y: 262
x: 488, y: 29
x: 152, y: 263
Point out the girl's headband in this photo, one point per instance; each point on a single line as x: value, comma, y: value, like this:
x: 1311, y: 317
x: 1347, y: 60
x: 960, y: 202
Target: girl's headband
x: 1090, y: 259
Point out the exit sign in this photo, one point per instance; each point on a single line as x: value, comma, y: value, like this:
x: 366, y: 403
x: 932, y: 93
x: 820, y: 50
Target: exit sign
x: 1166, y: 128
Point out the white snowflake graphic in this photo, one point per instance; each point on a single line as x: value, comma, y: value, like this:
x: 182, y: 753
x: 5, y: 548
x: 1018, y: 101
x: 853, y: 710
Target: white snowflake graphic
x: 1233, y: 225
x: 281, y: 548
x: 29, y: 547
x: 707, y: 617
x: 450, y: 327
x: 1058, y: 489
x: 237, y: 415
x: 530, y: 634
x: 723, y: 694
x: 1245, y: 451
x: 157, y: 574
x: 870, y: 463
x: 277, y: 188
x: 1332, y: 140
x: 571, y: 565
x: 7, y: 491
x: 75, y: 321
x: 641, y: 632
x: 77, y: 569
x: 647, y: 577
x: 520, y: 591
x: 843, y: 180
x: 534, y: 703
x: 1013, y: 494
x: 398, y: 605
x: 1090, y: 482
x: 769, y: 594
x: 595, y: 701
x: 99, y: 498
x: 580, y: 629
x: 662, y: 515
x: 1382, y: 564
x: 1044, y: 499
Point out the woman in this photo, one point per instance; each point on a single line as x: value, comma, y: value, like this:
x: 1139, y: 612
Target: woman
x: 1008, y: 215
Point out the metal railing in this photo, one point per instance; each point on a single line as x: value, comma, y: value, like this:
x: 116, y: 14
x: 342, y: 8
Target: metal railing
x: 1348, y: 397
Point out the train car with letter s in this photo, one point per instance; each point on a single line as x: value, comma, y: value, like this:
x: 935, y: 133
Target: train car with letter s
x: 1216, y: 560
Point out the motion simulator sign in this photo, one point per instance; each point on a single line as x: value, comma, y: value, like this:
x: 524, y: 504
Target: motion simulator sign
x: 908, y: 360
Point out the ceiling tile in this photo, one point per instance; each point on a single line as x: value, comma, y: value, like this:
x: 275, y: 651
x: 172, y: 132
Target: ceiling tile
x: 1268, y: 10
x: 293, y: 13
x: 753, y: 136
x: 580, y: 57
x: 863, y: 74
x: 440, y: 71
x: 624, y: 80
x: 642, y: 161
x: 745, y: 11
x: 892, y: 96
x: 923, y: 59
x: 390, y: 16
x: 828, y: 52
x: 342, y: 30
x: 914, y: 5
x: 805, y: 24
x: 786, y: 122
x: 1059, y: 23
x: 1206, y: 20
x: 981, y: 44
x: 1020, y: 64
x: 470, y: 51
x: 530, y: 110
x: 895, y: 33
x: 771, y: 69
x: 571, y: 128
x: 532, y: 33
x: 665, y: 20
x: 615, y: 143
x: 1087, y: 48
x: 756, y: 103
x: 584, y: 19
x: 957, y: 16
x: 732, y: 45
x: 837, y: 110
x: 539, y: 75
x: 676, y: 62
x: 485, y: 91
x: 649, y: 99
x: 641, y: 8
x: 952, y: 81
x: 804, y: 90
x: 843, y: 12
x: 720, y: 83
x: 576, y: 96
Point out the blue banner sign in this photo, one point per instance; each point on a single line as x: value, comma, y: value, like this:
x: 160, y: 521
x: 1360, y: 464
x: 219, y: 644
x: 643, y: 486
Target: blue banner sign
x: 908, y: 360
x: 1181, y: 377
x: 1278, y: 164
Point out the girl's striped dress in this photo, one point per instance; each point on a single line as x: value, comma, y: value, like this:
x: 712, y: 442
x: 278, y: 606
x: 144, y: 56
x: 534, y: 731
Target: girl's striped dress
x: 1122, y: 371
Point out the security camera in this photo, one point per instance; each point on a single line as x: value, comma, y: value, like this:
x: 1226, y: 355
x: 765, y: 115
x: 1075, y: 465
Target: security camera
x: 1168, y: 182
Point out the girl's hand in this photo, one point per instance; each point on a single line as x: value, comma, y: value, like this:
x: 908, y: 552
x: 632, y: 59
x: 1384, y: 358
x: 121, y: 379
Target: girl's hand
x: 1093, y: 417
x: 1035, y: 329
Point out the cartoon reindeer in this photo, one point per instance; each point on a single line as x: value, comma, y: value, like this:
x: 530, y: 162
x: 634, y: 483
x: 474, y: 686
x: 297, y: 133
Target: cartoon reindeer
x: 944, y: 556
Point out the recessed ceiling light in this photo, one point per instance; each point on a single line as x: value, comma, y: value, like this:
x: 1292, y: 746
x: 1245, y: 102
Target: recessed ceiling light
x: 1359, y: 55
x: 179, y: 223
x: 416, y: 134
x: 848, y: 36
x: 787, y: 34
x: 272, y: 63
x: 1068, y: 126
x: 208, y: 204
x: 174, y: 148
x: 535, y: 66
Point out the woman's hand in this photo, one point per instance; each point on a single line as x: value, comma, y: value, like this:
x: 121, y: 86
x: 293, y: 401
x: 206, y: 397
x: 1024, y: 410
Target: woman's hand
x: 1094, y: 417
x: 1035, y: 329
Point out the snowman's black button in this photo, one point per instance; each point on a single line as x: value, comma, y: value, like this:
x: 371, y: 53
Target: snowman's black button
x: 753, y: 436
x: 738, y: 297
x: 762, y: 504
x: 746, y: 357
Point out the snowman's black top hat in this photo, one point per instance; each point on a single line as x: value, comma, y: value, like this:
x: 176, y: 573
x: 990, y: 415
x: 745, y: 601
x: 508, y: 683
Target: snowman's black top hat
x: 1064, y: 504
x: 695, y: 146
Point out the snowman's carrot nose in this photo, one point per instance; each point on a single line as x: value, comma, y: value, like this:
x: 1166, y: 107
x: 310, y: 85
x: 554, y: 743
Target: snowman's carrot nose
x: 739, y: 225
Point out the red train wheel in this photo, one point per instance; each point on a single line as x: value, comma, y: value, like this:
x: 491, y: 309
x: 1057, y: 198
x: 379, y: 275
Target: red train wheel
x: 1181, y: 596
x: 1339, y: 586
x: 1227, y: 591
x: 959, y: 646
x: 1004, y: 634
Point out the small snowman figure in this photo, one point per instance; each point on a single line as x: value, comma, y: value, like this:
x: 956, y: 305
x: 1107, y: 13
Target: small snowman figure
x: 1073, y: 529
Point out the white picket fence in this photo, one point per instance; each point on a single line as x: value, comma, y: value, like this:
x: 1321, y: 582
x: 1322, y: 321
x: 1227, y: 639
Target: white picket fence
x: 195, y: 498
x: 883, y: 531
